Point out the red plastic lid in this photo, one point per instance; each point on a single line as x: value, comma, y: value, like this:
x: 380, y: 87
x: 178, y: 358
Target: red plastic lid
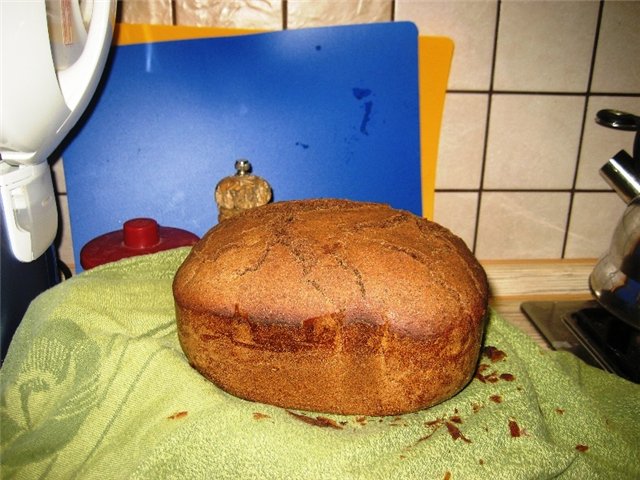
x: 138, y: 236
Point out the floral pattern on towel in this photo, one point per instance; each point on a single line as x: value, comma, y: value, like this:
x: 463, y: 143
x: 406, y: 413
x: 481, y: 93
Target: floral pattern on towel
x: 56, y: 388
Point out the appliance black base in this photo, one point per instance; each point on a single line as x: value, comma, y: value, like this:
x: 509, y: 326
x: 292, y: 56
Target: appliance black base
x: 591, y: 333
x: 19, y: 284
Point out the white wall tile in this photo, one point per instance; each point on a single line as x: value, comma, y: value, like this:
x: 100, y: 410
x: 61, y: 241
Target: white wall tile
x: 599, y: 143
x: 533, y: 141
x: 521, y: 225
x: 594, y: 217
x: 157, y: 12
x: 545, y: 46
x: 617, y: 65
x: 315, y: 13
x: 471, y: 26
x: 255, y: 14
x: 461, y: 138
x: 457, y: 212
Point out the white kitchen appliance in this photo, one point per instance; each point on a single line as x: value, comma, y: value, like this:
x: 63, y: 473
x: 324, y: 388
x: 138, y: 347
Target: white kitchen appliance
x: 52, y: 54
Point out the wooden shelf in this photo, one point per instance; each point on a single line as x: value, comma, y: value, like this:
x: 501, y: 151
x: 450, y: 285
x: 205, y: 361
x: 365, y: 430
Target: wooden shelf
x: 515, y: 281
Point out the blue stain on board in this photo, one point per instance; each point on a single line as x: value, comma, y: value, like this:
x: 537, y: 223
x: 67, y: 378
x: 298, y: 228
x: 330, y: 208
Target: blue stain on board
x: 361, y: 93
x: 368, y: 106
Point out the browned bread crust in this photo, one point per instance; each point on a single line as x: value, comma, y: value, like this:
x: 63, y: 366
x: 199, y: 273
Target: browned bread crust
x: 332, y: 306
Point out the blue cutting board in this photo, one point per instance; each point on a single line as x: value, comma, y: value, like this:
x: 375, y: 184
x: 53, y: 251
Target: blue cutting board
x: 321, y: 112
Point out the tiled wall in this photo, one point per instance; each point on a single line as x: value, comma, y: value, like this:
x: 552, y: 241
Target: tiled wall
x: 519, y: 153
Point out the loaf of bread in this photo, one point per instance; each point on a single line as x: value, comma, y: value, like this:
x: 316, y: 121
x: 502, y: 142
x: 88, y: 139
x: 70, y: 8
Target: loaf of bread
x: 332, y: 306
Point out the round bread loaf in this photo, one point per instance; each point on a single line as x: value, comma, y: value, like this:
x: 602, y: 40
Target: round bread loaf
x: 332, y: 306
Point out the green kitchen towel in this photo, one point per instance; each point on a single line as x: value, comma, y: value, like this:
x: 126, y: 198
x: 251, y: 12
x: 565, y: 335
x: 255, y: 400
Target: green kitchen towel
x: 95, y: 385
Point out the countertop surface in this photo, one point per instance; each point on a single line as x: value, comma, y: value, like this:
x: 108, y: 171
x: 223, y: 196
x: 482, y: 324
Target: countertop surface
x: 513, y: 282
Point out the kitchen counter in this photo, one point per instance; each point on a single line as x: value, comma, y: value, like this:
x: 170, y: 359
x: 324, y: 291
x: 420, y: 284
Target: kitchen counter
x: 515, y: 281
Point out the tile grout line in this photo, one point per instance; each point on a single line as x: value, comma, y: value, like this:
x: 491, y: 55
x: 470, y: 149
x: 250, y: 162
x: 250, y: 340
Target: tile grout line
x: 573, y: 190
x: 486, y: 129
x: 285, y: 14
x: 525, y: 190
x: 546, y: 93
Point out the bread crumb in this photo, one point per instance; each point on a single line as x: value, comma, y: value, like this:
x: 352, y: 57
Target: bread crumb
x: 177, y: 415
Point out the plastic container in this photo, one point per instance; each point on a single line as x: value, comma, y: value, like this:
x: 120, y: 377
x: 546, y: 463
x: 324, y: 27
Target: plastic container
x: 138, y: 236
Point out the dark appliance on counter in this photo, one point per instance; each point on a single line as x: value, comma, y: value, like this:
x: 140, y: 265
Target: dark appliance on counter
x: 605, y: 331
